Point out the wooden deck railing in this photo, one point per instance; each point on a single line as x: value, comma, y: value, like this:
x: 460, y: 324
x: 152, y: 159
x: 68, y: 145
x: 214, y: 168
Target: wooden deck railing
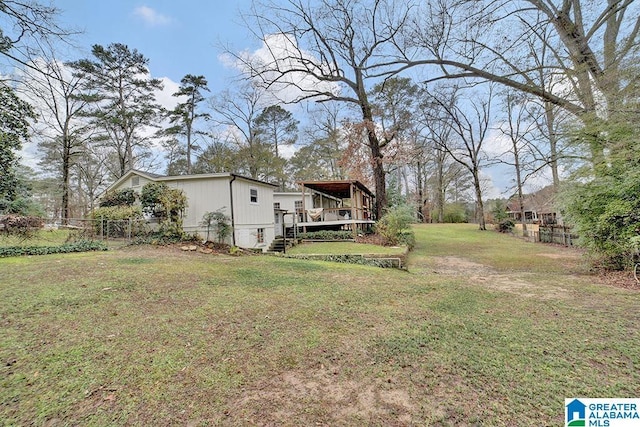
x: 333, y: 214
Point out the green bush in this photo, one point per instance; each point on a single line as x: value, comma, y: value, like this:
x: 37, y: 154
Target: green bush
x: 407, y: 238
x: 395, y: 225
x: 79, y: 246
x: 327, y: 235
x: 455, y: 213
x: 114, y: 220
x: 219, y: 223
x: 124, y: 197
x: 606, y: 215
x: 166, y: 204
x: 505, y: 226
x: 25, y: 206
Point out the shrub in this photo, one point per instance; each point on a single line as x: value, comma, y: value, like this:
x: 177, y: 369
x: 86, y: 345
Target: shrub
x: 455, y: 213
x: 394, y: 226
x: 79, y: 246
x: 21, y: 225
x: 606, y: 213
x: 327, y: 235
x: 166, y: 204
x: 23, y: 206
x: 219, y: 222
x: 114, y: 221
x: 506, y: 226
x: 124, y: 197
x: 407, y: 238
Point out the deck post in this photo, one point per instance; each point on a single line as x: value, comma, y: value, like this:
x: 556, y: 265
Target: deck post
x: 304, y: 209
x: 354, y: 228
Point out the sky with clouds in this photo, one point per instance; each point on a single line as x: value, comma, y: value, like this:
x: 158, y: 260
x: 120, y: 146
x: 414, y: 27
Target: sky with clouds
x: 178, y: 37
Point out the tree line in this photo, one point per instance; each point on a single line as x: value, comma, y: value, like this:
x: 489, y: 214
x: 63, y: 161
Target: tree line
x: 417, y: 99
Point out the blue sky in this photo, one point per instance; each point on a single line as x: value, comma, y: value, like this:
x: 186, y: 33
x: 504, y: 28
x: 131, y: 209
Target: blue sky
x: 178, y: 37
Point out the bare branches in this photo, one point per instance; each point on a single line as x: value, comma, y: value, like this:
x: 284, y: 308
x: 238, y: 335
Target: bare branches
x: 25, y: 27
x: 499, y: 41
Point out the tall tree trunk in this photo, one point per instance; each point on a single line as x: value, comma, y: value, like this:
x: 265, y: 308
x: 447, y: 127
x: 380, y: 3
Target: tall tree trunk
x: 420, y: 188
x: 66, y: 165
x: 440, y: 187
x: 479, y: 204
x: 379, y: 175
x: 553, y: 143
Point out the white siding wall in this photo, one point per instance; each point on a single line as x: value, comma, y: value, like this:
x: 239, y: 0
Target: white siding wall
x: 288, y: 202
x: 251, y: 216
x: 203, y: 195
x: 128, y: 183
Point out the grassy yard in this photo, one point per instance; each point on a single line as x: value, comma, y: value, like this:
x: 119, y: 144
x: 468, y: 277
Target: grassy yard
x: 342, y: 248
x: 484, y: 329
x: 39, y: 238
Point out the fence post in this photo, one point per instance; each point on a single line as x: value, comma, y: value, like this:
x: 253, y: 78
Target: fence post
x: 129, y: 230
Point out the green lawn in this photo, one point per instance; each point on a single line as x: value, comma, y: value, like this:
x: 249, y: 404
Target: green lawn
x: 343, y: 248
x: 484, y: 329
x: 38, y: 238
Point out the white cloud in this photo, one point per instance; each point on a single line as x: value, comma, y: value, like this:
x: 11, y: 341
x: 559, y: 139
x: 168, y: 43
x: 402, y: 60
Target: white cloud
x: 151, y: 17
x: 165, y: 96
x: 281, y: 52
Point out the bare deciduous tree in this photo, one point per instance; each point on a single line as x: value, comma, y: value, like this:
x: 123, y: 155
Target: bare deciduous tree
x: 327, y: 51
x: 588, y: 44
x: 25, y: 27
x: 61, y: 130
x: 235, y: 113
x: 469, y: 123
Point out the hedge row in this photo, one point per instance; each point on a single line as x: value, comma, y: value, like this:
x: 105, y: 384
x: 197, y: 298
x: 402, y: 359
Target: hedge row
x: 79, y: 246
x: 390, y: 262
x: 326, y: 235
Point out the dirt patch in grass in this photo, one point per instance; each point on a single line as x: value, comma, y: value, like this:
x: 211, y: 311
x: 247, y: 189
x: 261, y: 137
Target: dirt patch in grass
x: 521, y: 283
x: 459, y: 266
x: 323, y: 391
x: 486, y: 276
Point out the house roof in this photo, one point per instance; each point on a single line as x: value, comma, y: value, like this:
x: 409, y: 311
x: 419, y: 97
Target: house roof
x: 341, y: 189
x: 156, y: 177
x: 542, y: 201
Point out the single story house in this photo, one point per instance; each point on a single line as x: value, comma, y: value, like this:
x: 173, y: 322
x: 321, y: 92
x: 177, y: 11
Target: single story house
x: 247, y: 202
x: 538, y: 208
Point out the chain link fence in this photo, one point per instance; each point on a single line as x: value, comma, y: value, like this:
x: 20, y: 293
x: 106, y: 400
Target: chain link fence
x: 125, y: 230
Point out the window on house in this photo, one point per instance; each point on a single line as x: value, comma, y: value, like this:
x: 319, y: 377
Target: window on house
x: 253, y: 198
x: 260, y: 235
x: 300, y: 214
x: 276, y: 218
x: 135, y: 181
x: 276, y: 205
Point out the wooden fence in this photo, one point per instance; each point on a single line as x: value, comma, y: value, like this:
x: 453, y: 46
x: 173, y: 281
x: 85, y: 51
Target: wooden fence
x: 558, y: 234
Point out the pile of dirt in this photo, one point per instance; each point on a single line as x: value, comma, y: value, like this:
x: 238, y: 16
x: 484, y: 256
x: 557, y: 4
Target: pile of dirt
x: 373, y: 239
